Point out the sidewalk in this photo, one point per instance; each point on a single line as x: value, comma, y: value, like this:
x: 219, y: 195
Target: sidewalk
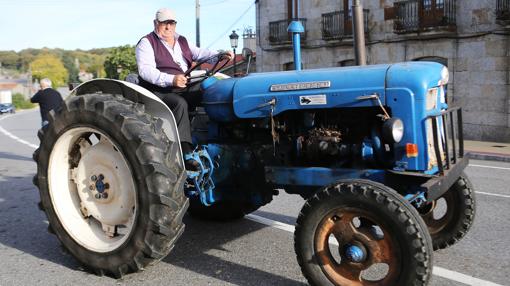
x: 487, y: 150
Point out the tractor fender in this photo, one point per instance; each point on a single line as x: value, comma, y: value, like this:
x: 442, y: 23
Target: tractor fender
x: 135, y: 93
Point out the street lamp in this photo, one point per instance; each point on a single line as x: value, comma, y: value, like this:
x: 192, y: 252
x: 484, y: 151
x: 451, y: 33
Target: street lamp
x: 233, y: 43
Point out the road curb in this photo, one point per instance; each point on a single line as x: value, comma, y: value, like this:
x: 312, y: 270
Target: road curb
x: 488, y: 156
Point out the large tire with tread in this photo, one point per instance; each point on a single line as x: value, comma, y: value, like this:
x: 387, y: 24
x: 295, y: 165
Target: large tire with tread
x: 367, y: 219
x: 143, y: 173
x: 455, y: 217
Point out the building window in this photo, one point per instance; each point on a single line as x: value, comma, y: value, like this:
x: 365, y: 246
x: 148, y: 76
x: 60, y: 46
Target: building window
x: 503, y: 10
x: 338, y: 24
x: 278, y: 34
x: 422, y: 15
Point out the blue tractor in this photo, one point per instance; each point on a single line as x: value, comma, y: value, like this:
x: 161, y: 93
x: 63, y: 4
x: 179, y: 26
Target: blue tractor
x: 376, y: 152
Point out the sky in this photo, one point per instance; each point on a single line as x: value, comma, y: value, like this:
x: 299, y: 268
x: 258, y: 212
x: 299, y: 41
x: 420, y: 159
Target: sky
x: 88, y: 24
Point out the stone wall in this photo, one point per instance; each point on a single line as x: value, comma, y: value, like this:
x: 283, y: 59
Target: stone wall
x: 477, y: 54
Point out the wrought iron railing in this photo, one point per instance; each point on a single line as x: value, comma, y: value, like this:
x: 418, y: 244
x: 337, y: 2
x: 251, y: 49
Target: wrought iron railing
x: 278, y: 33
x: 337, y: 25
x: 423, y: 15
x: 503, y: 10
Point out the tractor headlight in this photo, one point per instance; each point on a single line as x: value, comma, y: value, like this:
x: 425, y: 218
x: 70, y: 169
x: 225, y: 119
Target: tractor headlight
x: 393, y: 130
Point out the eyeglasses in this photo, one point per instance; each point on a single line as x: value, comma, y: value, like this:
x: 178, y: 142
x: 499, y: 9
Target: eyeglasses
x: 168, y: 22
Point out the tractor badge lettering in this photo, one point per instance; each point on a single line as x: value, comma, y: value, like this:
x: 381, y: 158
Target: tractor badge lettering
x: 319, y: 99
x: 300, y: 85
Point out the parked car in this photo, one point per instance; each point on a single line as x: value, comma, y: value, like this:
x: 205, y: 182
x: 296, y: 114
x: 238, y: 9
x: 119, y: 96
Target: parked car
x: 7, y: 108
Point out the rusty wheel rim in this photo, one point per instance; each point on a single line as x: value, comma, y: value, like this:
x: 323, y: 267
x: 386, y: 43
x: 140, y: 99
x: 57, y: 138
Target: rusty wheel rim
x: 436, y: 225
x: 377, y: 248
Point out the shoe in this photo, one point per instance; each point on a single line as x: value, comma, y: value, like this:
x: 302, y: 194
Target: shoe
x: 192, y: 165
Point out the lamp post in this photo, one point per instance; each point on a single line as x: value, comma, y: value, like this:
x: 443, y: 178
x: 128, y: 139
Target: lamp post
x: 234, y: 37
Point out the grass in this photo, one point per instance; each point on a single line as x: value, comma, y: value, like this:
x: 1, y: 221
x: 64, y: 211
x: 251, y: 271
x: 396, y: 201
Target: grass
x: 20, y: 102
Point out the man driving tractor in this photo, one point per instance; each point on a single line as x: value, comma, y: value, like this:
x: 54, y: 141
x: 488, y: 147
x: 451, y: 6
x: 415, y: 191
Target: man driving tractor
x: 163, y: 57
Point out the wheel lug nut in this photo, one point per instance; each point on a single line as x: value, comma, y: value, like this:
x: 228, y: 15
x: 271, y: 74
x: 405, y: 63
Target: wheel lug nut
x: 98, y: 196
x: 101, y: 177
x: 106, y: 186
x: 104, y: 195
x: 91, y: 187
x: 93, y: 178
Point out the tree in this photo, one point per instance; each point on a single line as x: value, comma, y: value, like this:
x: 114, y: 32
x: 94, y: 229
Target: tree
x: 50, y: 66
x: 70, y: 64
x: 120, y: 62
x: 9, y: 59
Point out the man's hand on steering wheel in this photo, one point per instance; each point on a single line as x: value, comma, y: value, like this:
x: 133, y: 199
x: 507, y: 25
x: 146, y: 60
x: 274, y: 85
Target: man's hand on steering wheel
x: 221, y: 61
x: 230, y: 55
x: 180, y: 81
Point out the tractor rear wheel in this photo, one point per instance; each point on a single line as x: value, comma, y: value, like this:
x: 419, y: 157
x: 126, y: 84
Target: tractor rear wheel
x: 450, y: 217
x: 358, y: 232
x: 111, y: 183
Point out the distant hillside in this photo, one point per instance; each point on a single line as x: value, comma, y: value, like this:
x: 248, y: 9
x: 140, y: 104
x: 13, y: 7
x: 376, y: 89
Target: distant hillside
x: 74, y: 61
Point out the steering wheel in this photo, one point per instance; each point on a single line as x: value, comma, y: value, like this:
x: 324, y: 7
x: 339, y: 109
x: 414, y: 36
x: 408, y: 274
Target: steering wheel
x: 220, y: 63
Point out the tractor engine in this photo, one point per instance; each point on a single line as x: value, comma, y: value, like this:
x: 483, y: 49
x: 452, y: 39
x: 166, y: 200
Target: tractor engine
x: 315, y: 138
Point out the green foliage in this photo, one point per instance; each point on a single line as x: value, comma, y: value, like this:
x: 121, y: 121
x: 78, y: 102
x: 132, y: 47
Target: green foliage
x: 9, y: 60
x: 70, y: 64
x: 120, y: 62
x: 50, y: 66
x: 91, y: 61
x: 20, y: 102
x: 26, y: 57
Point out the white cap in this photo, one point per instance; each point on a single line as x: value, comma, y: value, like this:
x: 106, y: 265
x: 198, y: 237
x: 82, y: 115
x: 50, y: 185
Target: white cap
x: 165, y: 14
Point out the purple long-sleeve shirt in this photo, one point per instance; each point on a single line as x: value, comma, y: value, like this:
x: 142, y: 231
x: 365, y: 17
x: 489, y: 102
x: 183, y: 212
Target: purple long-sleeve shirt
x: 147, y: 63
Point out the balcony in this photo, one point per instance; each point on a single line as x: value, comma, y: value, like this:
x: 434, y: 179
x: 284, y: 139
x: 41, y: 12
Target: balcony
x: 338, y: 25
x: 503, y: 10
x: 278, y: 34
x: 424, y: 15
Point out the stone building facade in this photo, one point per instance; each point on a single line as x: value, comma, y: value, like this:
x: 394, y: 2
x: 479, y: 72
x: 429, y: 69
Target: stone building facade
x: 471, y: 37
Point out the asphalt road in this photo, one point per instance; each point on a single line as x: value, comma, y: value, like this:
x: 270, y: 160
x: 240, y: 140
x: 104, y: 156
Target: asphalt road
x: 244, y: 252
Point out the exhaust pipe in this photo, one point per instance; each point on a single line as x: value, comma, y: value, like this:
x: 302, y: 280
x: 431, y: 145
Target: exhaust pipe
x: 296, y: 28
x: 358, y: 30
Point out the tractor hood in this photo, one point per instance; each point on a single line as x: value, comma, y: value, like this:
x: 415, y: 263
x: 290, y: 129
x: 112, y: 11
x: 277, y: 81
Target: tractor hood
x: 307, y: 89
x: 255, y: 95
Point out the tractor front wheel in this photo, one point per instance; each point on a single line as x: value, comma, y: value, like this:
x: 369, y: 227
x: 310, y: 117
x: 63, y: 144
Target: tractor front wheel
x: 357, y: 233
x: 111, y: 183
x: 450, y: 217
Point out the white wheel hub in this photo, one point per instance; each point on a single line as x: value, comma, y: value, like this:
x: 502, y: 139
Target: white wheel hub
x: 94, y: 197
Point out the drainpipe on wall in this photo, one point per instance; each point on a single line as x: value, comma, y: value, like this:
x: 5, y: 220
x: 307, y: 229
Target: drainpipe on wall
x: 358, y: 31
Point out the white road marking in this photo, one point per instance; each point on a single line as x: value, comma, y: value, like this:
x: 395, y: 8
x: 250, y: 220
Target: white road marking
x: 494, y: 195
x: 438, y: 271
x: 489, y: 167
x: 9, y: 134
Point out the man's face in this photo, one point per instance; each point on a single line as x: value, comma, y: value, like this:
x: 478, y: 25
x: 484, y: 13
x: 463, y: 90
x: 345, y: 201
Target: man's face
x: 166, y: 29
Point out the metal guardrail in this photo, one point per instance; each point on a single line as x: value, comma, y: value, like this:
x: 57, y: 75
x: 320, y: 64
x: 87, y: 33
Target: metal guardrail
x: 337, y: 25
x: 452, y: 130
x: 503, y: 10
x: 423, y: 15
x: 278, y: 31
